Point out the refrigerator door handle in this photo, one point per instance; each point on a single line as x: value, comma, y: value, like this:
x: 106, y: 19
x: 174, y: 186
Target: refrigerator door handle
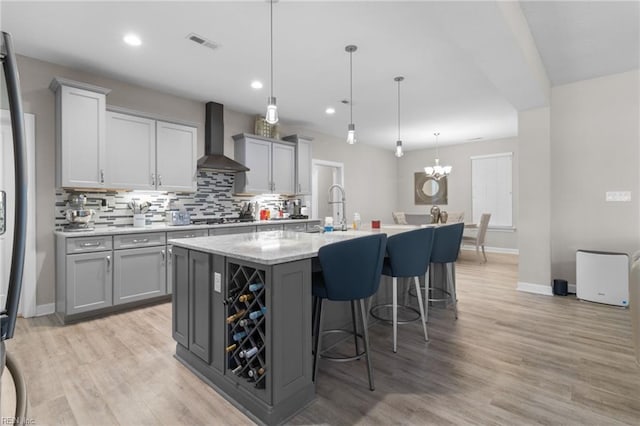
x: 10, y: 312
x: 3, y: 212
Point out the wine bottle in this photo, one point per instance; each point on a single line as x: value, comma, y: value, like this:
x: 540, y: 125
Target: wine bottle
x: 248, y: 353
x: 245, y: 297
x: 232, y: 318
x: 237, y: 369
x: 231, y: 348
x: 257, y: 314
x: 239, y: 336
x: 255, y: 286
x: 245, y: 322
x: 255, y: 373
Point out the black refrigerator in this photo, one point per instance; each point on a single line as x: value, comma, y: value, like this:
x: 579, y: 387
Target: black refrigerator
x: 11, y: 99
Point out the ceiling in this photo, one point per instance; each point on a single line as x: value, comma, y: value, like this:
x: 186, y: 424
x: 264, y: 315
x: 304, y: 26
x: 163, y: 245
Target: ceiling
x: 468, y: 66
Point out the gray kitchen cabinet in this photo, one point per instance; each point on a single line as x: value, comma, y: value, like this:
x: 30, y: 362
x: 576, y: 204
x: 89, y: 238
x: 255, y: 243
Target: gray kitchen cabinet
x: 180, y: 306
x: 200, y: 305
x: 88, y: 281
x: 131, y: 151
x: 136, y: 240
x: 304, y: 156
x: 80, y: 134
x: 269, y: 227
x: 148, y: 154
x: 297, y: 227
x: 176, y: 156
x: 139, y: 274
x: 232, y: 230
x: 271, y: 163
x: 192, y: 233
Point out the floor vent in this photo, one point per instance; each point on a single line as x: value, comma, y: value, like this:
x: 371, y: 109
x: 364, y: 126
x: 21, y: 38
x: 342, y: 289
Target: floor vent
x: 202, y: 41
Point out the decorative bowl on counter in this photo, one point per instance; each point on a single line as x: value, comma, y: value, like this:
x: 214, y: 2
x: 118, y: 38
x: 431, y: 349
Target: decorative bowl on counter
x: 80, y: 215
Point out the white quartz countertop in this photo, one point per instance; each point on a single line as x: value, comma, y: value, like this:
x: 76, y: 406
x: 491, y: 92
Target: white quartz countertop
x: 164, y: 227
x: 270, y: 248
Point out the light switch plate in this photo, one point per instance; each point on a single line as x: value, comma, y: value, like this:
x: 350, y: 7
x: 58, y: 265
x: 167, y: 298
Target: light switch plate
x: 217, y: 282
x: 618, y: 196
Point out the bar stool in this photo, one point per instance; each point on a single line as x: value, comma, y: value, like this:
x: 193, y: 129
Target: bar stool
x: 446, y: 247
x: 350, y: 272
x: 408, y: 255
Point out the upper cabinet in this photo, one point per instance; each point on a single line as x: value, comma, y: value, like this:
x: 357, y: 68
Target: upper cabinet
x: 176, y: 157
x: 304, y: 154
x: 271, y: 165
x: 146, y: 154
x: 80, y: 134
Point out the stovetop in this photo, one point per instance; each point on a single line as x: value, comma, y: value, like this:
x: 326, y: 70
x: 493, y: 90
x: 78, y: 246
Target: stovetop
x: 220, y: 220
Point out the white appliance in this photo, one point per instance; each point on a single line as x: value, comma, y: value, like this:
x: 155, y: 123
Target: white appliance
x: 602, y: 277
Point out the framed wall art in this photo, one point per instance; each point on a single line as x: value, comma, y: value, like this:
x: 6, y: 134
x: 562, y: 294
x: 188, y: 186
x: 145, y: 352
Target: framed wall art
x: 427, y: 190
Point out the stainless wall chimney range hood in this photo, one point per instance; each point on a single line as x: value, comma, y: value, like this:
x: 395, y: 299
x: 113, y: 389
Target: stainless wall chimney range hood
x: 214, y: 158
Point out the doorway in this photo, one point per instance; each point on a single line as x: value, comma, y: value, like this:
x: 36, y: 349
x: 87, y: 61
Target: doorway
x: 325, y: 174
x: 28, y: 297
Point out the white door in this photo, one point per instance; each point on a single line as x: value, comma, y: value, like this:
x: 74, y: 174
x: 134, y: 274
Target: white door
x: 283, y: 169
x: 176, y: 150
x: 7, y: 179
x: 131, y: 152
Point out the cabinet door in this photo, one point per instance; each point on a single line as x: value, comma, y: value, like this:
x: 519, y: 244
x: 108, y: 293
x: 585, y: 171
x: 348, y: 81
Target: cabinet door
x: 180, y: 282
x: 283, y: 169
x: 303, y: 166
x: 200, y: 294
x: 139, y: 274
x: 176, y: 149
x: 258, y: 160
x: 232, y: 230
x: 131, y: 152
x: 81, y: 116
x: 89, y: 282
x: 169, y: 269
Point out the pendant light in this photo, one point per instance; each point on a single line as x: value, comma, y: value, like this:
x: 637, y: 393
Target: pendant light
x: 437, y: 171
x: 271, y: 116
x: 399, y: 152
x: 351, y: 130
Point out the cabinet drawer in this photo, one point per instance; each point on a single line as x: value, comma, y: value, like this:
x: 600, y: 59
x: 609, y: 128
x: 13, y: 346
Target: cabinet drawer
x: 139, y: 240
x: 188, y: 234
x: 312, y: 225
x: 87, y: 244
x: 297, y: 227
x: 232, y: 230
x: 265, y: 228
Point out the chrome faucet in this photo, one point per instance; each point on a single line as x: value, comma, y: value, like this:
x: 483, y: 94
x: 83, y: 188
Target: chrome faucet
x: 343, y: 202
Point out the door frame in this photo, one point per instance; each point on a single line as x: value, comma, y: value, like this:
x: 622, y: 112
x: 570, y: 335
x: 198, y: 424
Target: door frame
x: 338, y: 177
x: 28, y: 306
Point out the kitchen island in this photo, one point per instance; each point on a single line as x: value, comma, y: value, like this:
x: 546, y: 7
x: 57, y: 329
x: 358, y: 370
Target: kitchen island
x: 242, y: 316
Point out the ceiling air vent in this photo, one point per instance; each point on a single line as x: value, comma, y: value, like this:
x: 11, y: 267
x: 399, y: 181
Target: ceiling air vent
x: 202, y: 41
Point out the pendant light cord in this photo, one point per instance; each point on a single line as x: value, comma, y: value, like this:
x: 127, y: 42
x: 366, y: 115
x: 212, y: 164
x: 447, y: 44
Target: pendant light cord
x: 271, y: 34
x: 436, y: 135
x: 351, y: 87
x: 399, y: 109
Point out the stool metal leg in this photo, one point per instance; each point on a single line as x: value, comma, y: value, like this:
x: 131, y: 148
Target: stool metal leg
x: 395, y: 314
x: 355, y: 326
x: 452, y: 290
x: 365, y: 333
x: 427, y: 283
x: 424, y: 324
x: 318, y: 342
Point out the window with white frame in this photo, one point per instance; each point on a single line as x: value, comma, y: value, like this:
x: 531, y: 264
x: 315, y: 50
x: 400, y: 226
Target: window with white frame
x: 491, y: 189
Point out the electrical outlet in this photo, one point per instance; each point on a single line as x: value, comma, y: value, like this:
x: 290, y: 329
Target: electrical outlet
x: 618, y: 196
x: 217, y: 282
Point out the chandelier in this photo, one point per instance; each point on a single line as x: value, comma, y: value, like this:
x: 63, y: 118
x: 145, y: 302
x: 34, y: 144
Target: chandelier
x: 437, y: 171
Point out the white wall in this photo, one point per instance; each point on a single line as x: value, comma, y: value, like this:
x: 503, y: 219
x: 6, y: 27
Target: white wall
x: 595, y: 141
x: 459, y: 182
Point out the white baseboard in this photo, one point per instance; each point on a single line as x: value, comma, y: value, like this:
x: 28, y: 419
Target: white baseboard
x: 47, y: 309
x: 535, y: 288
x: 571, y: 288
x: 492, y: 249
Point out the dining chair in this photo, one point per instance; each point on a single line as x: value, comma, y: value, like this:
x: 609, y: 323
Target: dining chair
x: 446, y: 247
x: 350, y: 272
x: 478, y: 239
x: 408, y: 255
x: 455, y: 217
x: 399, y: 218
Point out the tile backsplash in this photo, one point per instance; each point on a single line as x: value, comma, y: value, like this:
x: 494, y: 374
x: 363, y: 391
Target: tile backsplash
x: 213, y: 198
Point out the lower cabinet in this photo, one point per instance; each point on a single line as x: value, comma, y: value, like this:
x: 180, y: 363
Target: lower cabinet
x: 89, y: 277
x: 139, y: 274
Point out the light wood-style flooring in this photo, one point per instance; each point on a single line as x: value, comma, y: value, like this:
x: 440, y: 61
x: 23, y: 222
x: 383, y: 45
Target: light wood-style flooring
x: 511, y: 358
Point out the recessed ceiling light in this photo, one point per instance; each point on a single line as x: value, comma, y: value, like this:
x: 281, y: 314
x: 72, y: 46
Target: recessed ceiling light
x: 256, y: 84
x: 132, y: 40
x: 330, y: 111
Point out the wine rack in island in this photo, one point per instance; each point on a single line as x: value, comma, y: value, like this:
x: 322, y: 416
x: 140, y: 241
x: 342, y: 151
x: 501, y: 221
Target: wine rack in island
x: 246, y: 324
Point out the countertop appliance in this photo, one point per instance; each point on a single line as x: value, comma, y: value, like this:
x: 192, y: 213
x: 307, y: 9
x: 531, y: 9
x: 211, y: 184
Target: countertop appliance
x: 178, y: 218
x: 9, y: 311
x: 78, y: 216
x: 602, y: 277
